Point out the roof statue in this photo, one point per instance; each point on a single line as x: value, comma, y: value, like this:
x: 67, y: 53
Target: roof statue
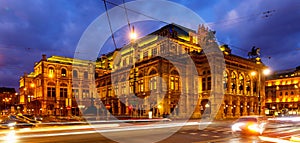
x: 254, y: 53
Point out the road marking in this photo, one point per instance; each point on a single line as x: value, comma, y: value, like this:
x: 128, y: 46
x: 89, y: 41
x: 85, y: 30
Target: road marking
x: 205, y: 135
x: 215, y: 136
x: 193, y: 133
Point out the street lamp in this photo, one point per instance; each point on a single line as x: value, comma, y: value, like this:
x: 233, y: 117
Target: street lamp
x: 6, y: 100
x: 264, y: 72
x: 133, y: 34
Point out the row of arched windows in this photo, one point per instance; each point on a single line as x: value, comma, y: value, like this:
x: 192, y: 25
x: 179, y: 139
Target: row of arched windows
x: 63, y: 73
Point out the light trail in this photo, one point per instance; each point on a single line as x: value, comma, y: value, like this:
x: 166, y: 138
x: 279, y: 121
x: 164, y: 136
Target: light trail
x: 99, y: 129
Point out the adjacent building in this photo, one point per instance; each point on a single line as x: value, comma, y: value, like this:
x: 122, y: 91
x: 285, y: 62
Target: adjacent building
x: 282, y: 93
x: 58, y: 86
x: 8, y: 100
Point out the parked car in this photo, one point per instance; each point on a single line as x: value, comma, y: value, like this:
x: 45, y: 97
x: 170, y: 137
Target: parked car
x: 250, y: 125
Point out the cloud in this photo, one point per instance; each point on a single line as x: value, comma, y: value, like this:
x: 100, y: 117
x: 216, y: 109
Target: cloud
x: 275, y: 33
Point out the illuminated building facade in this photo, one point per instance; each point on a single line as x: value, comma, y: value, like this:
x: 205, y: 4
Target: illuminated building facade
x: 8, y: 100
x: 139, y: 69
x: 55, y: 84
x: 148, y: 75
x: 282, y: 93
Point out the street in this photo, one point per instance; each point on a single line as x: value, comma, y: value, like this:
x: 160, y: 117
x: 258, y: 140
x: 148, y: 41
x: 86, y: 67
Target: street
x: 162, y: 132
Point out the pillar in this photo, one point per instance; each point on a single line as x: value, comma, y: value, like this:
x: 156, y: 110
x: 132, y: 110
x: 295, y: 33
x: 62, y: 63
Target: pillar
x: 238, y: 106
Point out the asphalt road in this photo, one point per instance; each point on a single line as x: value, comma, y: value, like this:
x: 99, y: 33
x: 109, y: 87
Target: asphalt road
x: 169, y: 132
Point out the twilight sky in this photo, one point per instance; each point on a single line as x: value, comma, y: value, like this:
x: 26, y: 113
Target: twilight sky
x: 31, y: 28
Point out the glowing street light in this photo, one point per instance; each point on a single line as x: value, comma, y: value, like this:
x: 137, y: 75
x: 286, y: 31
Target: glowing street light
x: 253, y: 73
x: 266, y: 71
x: 133, y: 34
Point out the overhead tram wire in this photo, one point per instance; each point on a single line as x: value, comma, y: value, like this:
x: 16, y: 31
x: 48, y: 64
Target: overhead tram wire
x: 137, y: 12
x: 126, y: 13
x: 110, y: 27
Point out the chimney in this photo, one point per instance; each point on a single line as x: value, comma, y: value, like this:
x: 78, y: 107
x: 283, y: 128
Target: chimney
x: 44, y: 57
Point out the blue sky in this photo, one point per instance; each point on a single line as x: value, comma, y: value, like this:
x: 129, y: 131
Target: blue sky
x: 31, y: 28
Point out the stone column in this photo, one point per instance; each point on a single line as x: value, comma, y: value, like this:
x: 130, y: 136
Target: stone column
x: 245, y: 108
x: 252, y: 107
x: 238, y: 106
x: 229, y: 109
x: 119, y: 107
x: 126, y: 106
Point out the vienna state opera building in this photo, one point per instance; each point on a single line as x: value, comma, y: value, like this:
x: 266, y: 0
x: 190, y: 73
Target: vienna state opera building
x: 173, y: 71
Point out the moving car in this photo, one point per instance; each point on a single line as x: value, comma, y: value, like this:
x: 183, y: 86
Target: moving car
x: 249, y: 125
x: 12, y: 122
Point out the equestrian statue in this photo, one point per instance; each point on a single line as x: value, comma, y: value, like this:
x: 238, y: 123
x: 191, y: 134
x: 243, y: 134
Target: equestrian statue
x: 254, y: 53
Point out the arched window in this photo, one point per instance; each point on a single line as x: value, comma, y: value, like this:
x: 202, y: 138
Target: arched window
x: 233, y: 82
x: 75, y: 74
x: 248, y: 85
x: 241, y: 84
x: 51, y: 72
x: 63, y: 72
x: 225, y: 80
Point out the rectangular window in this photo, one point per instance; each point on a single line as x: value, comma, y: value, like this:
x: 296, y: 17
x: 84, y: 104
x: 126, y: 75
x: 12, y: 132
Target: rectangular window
x: 203, y: 84
x: 172, y: 84
x: 145, y: 54
x: 51, y: 92
x: 85, y: 93
x: 131, y: 87
x: 116, y: 90
x: 176, y: 83
x: 154, y: 52
x: 209, y: 83
x: 63, y: 92
x: 75, y: 93
x: 109, y: 91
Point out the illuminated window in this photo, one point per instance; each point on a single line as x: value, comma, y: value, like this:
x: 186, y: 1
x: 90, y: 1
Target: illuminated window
x: 141, y: 85
x: 153, y: 83
x: 85, y: 93
x: 75, y: 93
x: 63, y: 72
x: 51, y: 72
x: 116, y: 89
x: 172, y: 83
x: 109, y: 91
x: 176, y: 83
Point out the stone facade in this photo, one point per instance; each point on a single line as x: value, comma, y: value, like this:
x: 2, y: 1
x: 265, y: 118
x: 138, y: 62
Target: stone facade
x: 282, y: 93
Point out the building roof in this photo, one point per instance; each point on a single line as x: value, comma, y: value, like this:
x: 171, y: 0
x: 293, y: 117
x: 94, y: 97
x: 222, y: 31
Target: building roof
x: 7, y: 90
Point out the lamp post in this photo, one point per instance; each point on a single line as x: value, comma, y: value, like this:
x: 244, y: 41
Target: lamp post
x: 6, y: 99
x: 264, y: 72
